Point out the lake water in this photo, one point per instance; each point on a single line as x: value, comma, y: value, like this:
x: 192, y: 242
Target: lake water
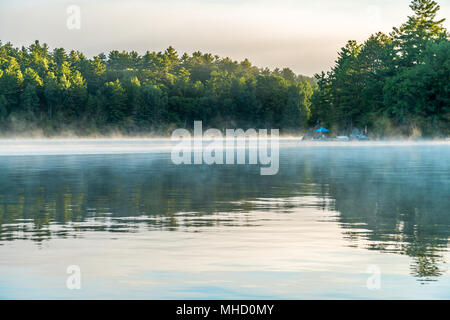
x: 339, y: 220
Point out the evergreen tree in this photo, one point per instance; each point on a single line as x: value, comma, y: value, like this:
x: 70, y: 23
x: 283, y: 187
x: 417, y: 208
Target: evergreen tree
x: 411, y: 38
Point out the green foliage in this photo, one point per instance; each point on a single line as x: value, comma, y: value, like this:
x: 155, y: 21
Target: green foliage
x: 411, y: 39
x: 395, y: 84
x: 126, y: 92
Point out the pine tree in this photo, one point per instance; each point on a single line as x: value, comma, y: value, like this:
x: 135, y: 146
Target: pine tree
x: 411, y: 38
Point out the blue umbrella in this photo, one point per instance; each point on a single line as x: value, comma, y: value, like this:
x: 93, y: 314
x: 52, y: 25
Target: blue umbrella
x: 322, y: 130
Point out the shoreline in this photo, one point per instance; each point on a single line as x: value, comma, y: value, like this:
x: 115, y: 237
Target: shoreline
x: 66, y: 147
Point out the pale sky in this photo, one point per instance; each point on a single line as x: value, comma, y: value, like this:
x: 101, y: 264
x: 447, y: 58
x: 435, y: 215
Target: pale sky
x: 302, y: 35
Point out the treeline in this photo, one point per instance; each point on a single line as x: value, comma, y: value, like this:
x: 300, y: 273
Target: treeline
x: 55, y: 91
x: 396, y: 84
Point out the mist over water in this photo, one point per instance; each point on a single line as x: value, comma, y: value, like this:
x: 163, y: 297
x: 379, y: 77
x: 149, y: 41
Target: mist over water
x: 141, y: 227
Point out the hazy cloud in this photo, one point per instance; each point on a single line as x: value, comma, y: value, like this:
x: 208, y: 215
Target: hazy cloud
x: 303, y: 35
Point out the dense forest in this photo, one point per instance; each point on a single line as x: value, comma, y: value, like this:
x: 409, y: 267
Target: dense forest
x: 396, y: 85
x: 156, y: 92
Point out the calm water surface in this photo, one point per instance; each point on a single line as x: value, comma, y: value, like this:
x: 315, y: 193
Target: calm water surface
x: 140, y: 227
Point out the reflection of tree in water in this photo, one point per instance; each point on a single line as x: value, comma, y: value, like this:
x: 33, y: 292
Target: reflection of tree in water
x: 402, y: 200
x: 426, y: 262
x: 393, y: 202
x: 102, y: 192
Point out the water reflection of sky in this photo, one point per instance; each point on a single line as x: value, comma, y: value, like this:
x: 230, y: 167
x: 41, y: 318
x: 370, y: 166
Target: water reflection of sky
x: 140, y: 227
